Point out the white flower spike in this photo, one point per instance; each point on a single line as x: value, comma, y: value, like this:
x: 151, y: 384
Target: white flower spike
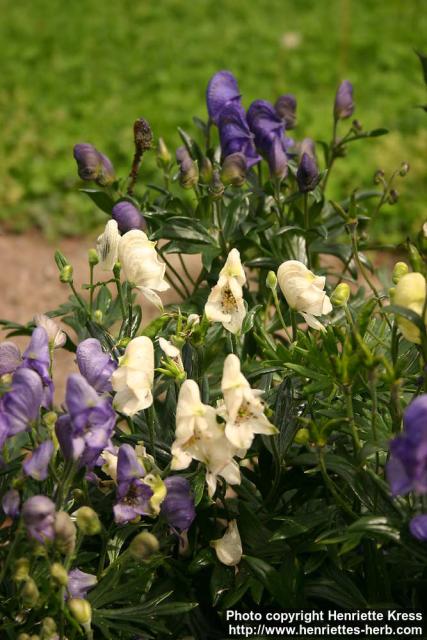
x: 225, y: 302
x: 142, y: 266
x: 304, y: 292
x: 133, y: 379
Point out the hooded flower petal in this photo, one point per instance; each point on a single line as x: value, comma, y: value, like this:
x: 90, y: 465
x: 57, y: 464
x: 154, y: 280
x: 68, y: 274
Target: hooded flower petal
x: 10, y: 357
x: 107, y: 246
x: 38, y: 513
x: 269, y: 131
x: 11, y: 502
x: 95, y: 364
x: 127, y: 216
x: 344, y: 105
x: 20, y: 406
x: 418, y: 527
x: 79, y: 583
x: 222, y: 89
x: 235, y: 135
x: 229, y: 548
x: 56, y: 337
x: 133, y: 380
x: 302, y: 289
x: 178, y: 506
x: 37, y: 464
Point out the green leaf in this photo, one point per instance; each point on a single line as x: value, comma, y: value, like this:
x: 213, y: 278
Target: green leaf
x: 408, y: 314
x: 423, y: 59
x: 186, y: 229
x: 249, y: 320
x: 102, y: 200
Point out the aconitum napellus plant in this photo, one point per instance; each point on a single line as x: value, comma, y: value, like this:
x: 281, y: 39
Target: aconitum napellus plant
x: 263, y: 441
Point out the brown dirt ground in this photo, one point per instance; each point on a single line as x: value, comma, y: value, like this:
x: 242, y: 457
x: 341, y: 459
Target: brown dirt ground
x: 29, y: 284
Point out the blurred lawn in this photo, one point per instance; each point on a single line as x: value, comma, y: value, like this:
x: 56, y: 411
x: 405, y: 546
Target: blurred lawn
x: 83, y: 71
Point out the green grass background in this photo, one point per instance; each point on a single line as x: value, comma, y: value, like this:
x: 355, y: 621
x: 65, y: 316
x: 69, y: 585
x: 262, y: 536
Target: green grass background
x: 83, y: 71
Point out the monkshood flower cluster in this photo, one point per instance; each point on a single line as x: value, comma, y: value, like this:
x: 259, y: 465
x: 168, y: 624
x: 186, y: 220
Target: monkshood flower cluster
x: 258, y: 443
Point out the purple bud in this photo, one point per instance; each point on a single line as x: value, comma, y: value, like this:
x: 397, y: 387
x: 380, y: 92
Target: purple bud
x: 418, y: 527
x: 222, y: 89
x: 93, y: 165
x: 127, y: 217
x: 344, y: 106
x: 188, y: 170
x: 234, y: 170
x: 10, y: 503
x: 79, y: 583
x: 307, y: 174
x: 38, y: 513
x: 286, y: 107
x: 10, y: 357
x: 307, y: 146
x: 37, y: 464
x: 95, y: 364
x: 178, y: 506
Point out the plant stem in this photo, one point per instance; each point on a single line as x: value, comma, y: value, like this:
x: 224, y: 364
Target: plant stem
x: 331, y: 486
x: 350, y: 416
x: 279, y: 313
x: 184, y: 293
x: 294, y: 325
x: 91, y: 291
x: 184, y: 267
x: 307, y: 226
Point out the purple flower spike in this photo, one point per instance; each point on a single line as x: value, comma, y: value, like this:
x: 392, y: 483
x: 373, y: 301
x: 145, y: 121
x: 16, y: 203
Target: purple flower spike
x: 37, y: 465
x: 19, y: 407
x: 418, y: 527
x: 86, y: 430
x: 128, y: 217
x: 269, y: 131
x: 95, y: 364
x: 235, y: 135
x: 344, y: 105
x: 11, y: 502
x: 221, y: 90
x: 178, y: 506
x: 38, y: 513
x: 93, y: 165
x: 79, y: 583
x: 10, y: 357
x: 407, y: 467
x: 133, y: 495
x: 286, y: 107
x: 307, y: 173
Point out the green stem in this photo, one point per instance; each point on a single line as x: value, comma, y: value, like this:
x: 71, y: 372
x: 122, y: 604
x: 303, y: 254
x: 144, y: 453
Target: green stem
x: 331, y: 486
x: 307, y: 226
x: 279, y: 313
x: 294, y: 325
x: 184, y: 292
x: 77, y: 296
x: 331, y: 154
x: 350, y: 416
x: 91, y: 290
x: 120, y: 294
x: 149, y: 416
x: 184, y: 267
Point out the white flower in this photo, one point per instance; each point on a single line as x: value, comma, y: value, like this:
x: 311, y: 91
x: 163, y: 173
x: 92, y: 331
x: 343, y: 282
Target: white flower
x: 172, y: 352
x: 57, y: 338
x: 200, y: 437
x: 133, y: 379
x: 193, y: 319
x: 225, y: 302
x: 229, y: 548
x: 244, y: 410
x: 141, y: 265
x: 110, y: 463
x: 107, y: 246
x: 304, y: 291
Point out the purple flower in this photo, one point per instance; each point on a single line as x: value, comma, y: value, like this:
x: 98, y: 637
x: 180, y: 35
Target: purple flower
x: 418, y: 527
x: 234, y: 133
x: 344, y: 105
x: 95, y: 364
x: 93, y: 165
x: 307, y: 173
x: 79, y: 583
x: 133, y: 495
x: 127, y: 216
x: 38, y: 513
x: 19, y: 407
x: 10, y: 357
x: 178, y: 506
x: 407, y: 467
x: 285, y: 108
x: 221, y: 91
x: 37, y: 357
x: 86, y: 430
x: 269, y: 131
x: 188, y: 169
x: 10, y: 503
x: 37, y: 464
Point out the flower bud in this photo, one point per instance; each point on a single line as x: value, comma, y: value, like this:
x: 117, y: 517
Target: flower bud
x: 415, y: 258
x: 49, y: 629
x: 188, y: 170
x: 400, y: 270
x: 163, y: 154
x: 302, y: 436
x: 340, y: 295
x: 66, y: 274
x: 234, y: 170
x: 307, y: 146
x: 98, y: 316
x: 59, y: 574
x: 143, y: 546
x: 393, y: 196
x: 93, y: 165
x: 404, y: 169
x: 93, y: 257
x: 49, y: 419
x: 81, y: 611
x: 216, y: 187
x: 127, y: 216
x: 410, y: 293
x: 65, y: 533
x: 29, y: 594
x: 344, y: 106
x: 88, y: 521
x: 307, y: 173
x: 378, y: 176
x: 286, y: 107
x: 271, y: 280
x: 143, y: 136
x: 21, y: 570
x: 206, y: 171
